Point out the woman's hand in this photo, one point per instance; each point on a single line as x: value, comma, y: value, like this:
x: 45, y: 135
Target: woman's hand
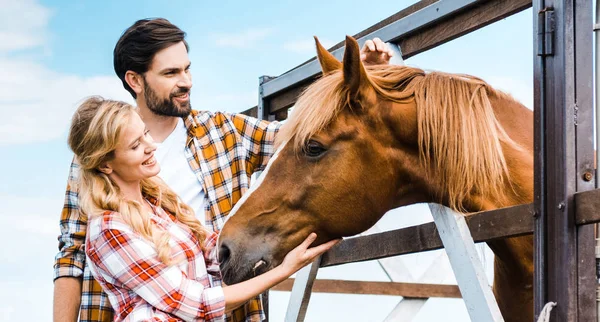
x: 240, y: 293
x: 302, y: 255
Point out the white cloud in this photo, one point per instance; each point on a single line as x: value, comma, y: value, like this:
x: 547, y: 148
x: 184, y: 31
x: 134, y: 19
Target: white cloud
x: 231, y: 102
x: 36, y: 103
x: 306, y: 45
x: 28, y: 231
x: 23, y: 25
x: 243, y: 39
x: 27, y: 299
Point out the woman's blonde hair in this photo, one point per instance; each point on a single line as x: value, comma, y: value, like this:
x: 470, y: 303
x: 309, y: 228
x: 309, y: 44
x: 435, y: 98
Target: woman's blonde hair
x: 94, y: 134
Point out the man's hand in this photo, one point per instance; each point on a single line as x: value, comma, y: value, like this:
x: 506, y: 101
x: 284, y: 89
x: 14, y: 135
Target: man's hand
x: 375, y: 52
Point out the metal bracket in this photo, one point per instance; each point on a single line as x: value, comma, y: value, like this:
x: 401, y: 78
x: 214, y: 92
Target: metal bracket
x: 397, y: 58
x: 546, y: 28
x: 260, y: 107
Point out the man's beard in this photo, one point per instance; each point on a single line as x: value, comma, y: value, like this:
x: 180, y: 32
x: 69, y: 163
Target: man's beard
x: 167, y: 107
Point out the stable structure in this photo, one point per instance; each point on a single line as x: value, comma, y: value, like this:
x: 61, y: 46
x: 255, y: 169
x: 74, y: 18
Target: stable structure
x: 566, y: 202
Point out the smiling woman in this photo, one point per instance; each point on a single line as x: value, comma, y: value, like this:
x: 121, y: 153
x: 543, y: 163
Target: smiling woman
x: 144, y: 246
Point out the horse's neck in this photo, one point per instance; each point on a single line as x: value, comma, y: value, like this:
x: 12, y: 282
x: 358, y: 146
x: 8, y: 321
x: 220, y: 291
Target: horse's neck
x: 517, y: 121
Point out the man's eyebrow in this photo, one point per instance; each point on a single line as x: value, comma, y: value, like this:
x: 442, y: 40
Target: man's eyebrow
x: 174, y: 69
x: 169, y: 69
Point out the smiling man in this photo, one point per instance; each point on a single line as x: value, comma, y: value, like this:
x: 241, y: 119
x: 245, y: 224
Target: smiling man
x: 206, y: 158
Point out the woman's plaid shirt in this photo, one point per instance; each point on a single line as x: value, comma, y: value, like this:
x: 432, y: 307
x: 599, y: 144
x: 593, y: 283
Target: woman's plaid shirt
x: 223, y: 150
x: 140, y: 286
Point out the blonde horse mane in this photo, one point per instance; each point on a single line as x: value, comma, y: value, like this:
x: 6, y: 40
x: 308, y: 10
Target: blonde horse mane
x: 459, y: 137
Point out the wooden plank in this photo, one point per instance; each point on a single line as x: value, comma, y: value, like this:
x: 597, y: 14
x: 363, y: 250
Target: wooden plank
x: 253, y: 111
x: 460, y: 24
x: 485, y: 226
x: 587, y: 206
x: 411, y: 290
x: 468, y: 270
x: 424, y: 39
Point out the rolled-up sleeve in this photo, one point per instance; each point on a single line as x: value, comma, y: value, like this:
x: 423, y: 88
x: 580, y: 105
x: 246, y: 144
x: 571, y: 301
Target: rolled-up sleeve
x: 70, y: 259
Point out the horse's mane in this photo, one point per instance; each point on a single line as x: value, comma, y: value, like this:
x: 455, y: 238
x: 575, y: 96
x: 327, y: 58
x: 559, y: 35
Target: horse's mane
x: 459, y: 137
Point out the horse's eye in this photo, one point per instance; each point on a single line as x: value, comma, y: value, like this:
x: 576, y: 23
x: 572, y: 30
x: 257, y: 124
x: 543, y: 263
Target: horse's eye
x: 314, y: 149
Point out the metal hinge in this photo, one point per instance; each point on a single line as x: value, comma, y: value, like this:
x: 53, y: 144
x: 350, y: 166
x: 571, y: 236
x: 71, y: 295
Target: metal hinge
x: 546, y: 27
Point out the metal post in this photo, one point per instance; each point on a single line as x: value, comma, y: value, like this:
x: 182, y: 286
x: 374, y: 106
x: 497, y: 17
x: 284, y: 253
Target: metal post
x: 261, y: 114
x: 563, y: 158
x: 597, y: 105
x: 262, y: 108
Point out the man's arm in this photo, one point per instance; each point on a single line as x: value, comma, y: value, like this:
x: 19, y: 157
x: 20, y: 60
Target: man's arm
x: 258, y: 137
x: 67, y: 298
x: 69, y: 262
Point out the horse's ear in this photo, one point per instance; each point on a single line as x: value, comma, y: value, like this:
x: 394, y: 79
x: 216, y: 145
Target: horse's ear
x: 328, y: 62
x: 354, y: 71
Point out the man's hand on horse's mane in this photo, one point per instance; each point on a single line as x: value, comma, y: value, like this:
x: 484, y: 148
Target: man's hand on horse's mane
x: 375, y: 52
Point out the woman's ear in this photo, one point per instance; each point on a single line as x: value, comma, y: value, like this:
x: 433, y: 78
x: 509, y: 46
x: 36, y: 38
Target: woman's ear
x: 105, y: 168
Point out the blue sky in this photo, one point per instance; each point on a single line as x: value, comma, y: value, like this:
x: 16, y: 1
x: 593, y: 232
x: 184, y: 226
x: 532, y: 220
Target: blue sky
x: 55, y: 53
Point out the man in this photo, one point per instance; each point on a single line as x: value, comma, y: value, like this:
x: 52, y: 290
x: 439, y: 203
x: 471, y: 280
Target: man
x: 207, y: 158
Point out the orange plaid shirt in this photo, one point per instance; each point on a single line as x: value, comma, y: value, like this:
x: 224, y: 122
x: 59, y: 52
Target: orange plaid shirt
x: 224, y: 151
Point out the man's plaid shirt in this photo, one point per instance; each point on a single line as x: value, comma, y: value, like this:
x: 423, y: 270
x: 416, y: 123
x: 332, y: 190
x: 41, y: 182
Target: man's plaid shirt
x: 223, y: 150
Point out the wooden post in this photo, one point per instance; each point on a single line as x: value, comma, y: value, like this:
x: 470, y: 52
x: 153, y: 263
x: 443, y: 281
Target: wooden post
x: 472, y: 282
x: 296, y: 311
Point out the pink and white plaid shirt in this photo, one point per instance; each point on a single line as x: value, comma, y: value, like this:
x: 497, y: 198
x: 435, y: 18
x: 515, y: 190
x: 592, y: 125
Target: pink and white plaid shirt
x: 142, y: 288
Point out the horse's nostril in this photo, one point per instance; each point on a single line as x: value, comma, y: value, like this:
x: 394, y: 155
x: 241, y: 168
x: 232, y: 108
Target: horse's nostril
x: 224, y: 254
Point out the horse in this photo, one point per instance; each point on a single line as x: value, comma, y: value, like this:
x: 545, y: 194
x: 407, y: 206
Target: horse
x: 363, y: 140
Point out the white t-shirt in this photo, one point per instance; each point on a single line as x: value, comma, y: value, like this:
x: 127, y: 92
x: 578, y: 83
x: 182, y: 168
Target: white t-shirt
x: 175, y: 170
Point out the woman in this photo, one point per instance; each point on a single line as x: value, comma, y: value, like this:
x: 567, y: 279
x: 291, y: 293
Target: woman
x: 144, y: 246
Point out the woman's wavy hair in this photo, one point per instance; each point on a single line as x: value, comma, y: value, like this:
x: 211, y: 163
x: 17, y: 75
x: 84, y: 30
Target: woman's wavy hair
x: 95, y: 131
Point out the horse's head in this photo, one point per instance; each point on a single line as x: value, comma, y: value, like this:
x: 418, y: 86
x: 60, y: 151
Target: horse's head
x: 354, y: 147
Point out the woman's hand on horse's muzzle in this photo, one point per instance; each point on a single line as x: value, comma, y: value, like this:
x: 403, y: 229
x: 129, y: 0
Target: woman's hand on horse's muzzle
x: 302, y: 255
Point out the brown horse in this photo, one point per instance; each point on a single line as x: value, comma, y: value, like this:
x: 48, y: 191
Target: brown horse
x: 362, y: 141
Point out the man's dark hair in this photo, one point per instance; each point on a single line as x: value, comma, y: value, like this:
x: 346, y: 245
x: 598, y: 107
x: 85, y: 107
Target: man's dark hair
x: 140, y: 42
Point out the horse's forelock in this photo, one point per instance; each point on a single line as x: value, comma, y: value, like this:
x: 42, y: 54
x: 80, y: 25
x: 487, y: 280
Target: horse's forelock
x: 316, y: 108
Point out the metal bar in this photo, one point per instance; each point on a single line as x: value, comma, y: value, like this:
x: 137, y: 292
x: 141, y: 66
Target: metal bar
x: 539, y: 90
x: 260, y: 114
x: 597, y: 157
x: 410, y: 23
x: 301, y: 291
x: 262, y: 109
x: 462, y: 22
x: 468, y: 270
